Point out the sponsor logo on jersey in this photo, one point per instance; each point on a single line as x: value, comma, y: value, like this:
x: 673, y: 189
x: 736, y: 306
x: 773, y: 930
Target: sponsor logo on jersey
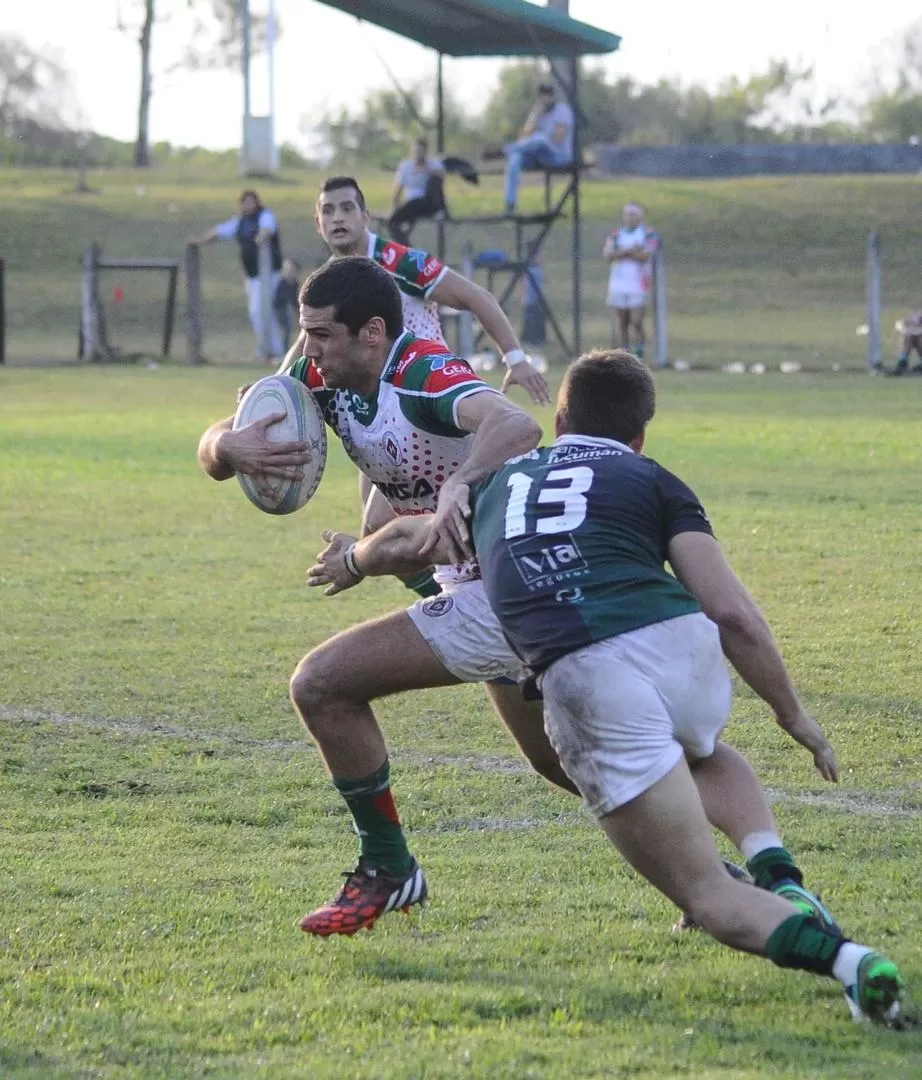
x: 358, y: 405
x: 408, y: 489
x: 432, y: 267
x: 437, y: 363
x: 582, y: 453
x: 452, y: 370
x: 569, y: 596
x: 406, y: 361
x: 418, y: 259
x: 390, y: 254
x: 438, y: 605
x: 543, y: 561
x: 392, y: 447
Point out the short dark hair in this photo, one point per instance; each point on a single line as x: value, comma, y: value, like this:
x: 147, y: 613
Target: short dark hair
x: 358, y: 290
x: 249, y: 193
x: 334, y: 183
x: 546, y: 88
x: 607, y: 393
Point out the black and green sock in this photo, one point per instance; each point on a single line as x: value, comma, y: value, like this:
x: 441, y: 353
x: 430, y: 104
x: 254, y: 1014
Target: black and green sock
x: 773, y: 865
x: 423, y: 584
x: 377, y: 823
x: 803, y: 942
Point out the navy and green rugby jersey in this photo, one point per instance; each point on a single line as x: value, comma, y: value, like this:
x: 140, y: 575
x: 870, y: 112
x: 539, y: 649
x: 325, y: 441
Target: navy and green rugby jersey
x: 572, y: 541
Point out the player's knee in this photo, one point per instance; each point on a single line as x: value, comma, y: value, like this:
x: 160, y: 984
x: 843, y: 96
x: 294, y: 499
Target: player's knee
x: 314, y: 687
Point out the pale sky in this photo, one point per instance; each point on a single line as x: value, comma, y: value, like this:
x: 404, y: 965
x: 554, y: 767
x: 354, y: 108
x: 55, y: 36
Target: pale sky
x: 325, y: 57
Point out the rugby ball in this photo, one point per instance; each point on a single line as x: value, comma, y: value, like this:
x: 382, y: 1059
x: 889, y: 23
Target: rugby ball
x: 303, y: 422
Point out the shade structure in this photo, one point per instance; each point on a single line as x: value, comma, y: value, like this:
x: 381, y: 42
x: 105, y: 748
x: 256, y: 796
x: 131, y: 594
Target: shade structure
x: 483, y: 27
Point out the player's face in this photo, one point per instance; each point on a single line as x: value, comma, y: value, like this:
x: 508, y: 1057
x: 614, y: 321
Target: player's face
x: 341, y: 221
x: 343, y: 361
x: 248, y: 206
x: 631, y: 216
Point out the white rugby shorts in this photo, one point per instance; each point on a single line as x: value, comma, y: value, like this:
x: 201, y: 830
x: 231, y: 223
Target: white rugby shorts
x: 461, y: 629
x: 625, y: 300
x: 622, y: 712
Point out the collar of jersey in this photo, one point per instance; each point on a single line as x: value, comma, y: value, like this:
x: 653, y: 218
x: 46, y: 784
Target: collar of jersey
x: 592, y: 440
x: 394, y: 355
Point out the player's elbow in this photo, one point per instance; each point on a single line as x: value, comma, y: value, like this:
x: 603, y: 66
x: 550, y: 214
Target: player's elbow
x: 526, y: 432
x: 737, y: 616
x: 209, y: 458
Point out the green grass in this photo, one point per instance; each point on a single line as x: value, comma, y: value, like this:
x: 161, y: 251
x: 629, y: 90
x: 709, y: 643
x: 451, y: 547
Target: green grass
x: 165, y: 823
x: 759, y: 270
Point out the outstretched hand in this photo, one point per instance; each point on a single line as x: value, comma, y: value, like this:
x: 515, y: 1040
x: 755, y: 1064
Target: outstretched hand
x: 526, y: 375
x: 809, y: 734
x: 330, y: 568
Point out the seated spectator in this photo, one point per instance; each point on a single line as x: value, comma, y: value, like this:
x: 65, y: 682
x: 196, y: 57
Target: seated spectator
x: 910, y: 330
x: 546, y: 141
x: 630, y: 251
x: 285, y: 301
x: 419, y: 191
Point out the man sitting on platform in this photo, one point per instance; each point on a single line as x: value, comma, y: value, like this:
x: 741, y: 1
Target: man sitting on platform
x: 420, y: 183
x: 546, y: 141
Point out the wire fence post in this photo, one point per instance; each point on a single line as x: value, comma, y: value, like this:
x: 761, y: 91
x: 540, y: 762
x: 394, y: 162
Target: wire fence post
x: 873, y: 291
x: 661, y: 310
x: 195, y: 327
x: 90, y: 327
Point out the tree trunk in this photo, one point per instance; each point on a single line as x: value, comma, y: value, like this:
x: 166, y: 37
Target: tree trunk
x: 142, y: 145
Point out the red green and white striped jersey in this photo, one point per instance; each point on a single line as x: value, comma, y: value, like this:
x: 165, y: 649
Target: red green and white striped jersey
x: 417, y: 275
x: 405, y: 438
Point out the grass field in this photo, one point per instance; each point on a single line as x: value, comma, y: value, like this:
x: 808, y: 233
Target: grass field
x: 759, y: 270
x: 165, y: 823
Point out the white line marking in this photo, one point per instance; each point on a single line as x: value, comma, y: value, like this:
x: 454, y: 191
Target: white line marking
x: 847, y: 800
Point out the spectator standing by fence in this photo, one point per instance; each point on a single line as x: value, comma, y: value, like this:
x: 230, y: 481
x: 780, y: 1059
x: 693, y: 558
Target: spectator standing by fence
x: 630, y: 250
x: 253, y: 226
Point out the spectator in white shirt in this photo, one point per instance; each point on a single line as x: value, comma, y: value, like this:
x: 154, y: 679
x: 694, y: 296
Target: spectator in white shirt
x: 546, y: 141
x: 253, y: 227
x: 418, y: 190
x: 630, y: 250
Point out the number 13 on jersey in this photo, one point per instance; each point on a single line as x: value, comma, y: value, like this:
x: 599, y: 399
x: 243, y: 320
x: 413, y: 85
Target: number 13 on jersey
x: 562, y: 488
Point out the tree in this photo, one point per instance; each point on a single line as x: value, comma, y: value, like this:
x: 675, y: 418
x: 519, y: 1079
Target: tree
x: 214, y: 41
x: 893, y: 111
x: 34, y: 89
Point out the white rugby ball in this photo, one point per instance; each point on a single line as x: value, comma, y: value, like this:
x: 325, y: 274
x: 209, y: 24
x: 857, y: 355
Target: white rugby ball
x: 303, y: 423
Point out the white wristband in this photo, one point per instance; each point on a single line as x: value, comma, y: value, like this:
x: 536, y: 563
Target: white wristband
x: 351, y: 565
x: 513, y: 357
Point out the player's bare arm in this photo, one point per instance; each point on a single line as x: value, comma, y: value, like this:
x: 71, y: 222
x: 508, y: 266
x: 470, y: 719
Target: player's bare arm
x: 222, y: 451
x: 700, y: 564
x: 501, y: 431
x: 457, y: 291
x: 393, y: 549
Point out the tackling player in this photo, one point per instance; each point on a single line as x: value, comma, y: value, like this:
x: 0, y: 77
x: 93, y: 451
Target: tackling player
x: 572, y: 541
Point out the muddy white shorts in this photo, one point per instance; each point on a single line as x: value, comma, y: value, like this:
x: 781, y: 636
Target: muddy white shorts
x: 461, y: 629
x: 621, y: 713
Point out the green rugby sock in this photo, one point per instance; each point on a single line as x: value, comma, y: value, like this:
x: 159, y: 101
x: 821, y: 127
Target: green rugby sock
x: 374, y: 814
x: 773, y: 864
x: 803, y: 942
x: 424, y: 584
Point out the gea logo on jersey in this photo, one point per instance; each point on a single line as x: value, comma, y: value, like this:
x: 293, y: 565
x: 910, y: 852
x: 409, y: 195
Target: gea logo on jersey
x: 411, y: 489
x: 453, y: 370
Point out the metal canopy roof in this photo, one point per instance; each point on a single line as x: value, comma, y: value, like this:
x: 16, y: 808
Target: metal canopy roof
x: 483, y: 27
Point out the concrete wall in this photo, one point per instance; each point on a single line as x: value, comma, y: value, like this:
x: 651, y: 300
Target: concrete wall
x: 758, y: 159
